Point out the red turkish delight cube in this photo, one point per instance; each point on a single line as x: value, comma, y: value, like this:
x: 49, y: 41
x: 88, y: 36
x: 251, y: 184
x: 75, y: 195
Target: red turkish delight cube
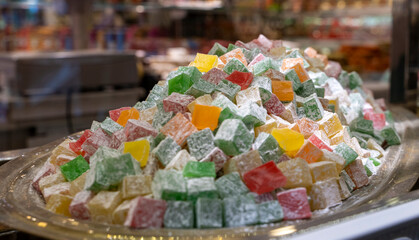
x: 146, y: 213
x: 243, y: 79
x: 274, y: 106
x: 294, y: 203
x: 265, y: 178
x: 214, y: 76
x: 97, y: 139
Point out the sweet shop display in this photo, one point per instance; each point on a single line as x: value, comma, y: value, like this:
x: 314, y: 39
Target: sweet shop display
x: 250, y: 133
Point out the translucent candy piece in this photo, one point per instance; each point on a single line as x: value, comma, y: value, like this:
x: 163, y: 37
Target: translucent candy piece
x: 263, y: 66
x: 203, y: 187
x: 147, y: 115
x: 307, y: 127
x: 157, y: 93
x: 234, y: 65
x: 76, y: 146
x: 138, y: 185
x: 51, y: 180
x: 177, y: 102
x: 240, y: 211
x: 265, y: 178
x: 217, y: 49
x: 209, y: 213
x: 57, y: 189
x: 180, y: 160
x: 268, y: 147
x: 199, y: 169
x: 146, y: 213
x: 102, y: 206
x: 114, y: 114
x: 297, y: 173
x: 362, y: 125
x: 354, y: 80
x: 200, y: 88
x: 283, y: 90
x: 214, y: 76
x: 230, y: 185
x: 346, y: 152
x: 289, y: 140
x: 256, y: 59
x: 357, y: 173
x: 252, y: 115
x: 247, y: 161
x: 343, y: 188
x: 202, y: 100
x: 139, y: 150
x: 233, y: 137
x: 236, y: 53
x: 243, y: 79
x: 169, y: 185
x: 77, y: 185
x: 324, y: 194
x: 378, y: 120
x: 274, y: 106
x: 205, y: 116
x: 74, y: 168
x: 131, y: 113
x: 204, y: 62
x: 249, y: 95
x: 179, y: 214
x: 267, y: 127
x: 309, y: 152
x: 390, y: 135
x: 59, y: 204
x: 78, y: 207
x: 98, y: 138
x: 323, y: 170
x: 182, y: 79
x: 217, y: 156
x: 318, y: 142
x: 46, y: 170
x: 371, y: 144
x: 179, y: 128
x: 330, y: 124
x: 312, y: 108
x: 294, y: 203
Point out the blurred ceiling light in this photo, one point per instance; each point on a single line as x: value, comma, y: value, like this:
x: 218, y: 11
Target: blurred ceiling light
x: 139, y: 9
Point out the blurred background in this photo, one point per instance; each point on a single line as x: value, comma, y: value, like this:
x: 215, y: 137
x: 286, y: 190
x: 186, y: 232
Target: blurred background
x: 65, y: 63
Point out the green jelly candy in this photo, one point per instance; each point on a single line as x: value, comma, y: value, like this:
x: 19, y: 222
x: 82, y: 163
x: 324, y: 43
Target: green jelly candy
x: 262, y: 66
x: 234, y: 65
x: 217, y: 49
x: 389, y: 117
x: 346, y: 152
x: 296, y: 54
x: 354, y: 80
x: 179, y: 214
x: 347, y: 179
x: 231, y: 47
x: 157, y: 94
x: 101, y: 153
x: 319, y: 78
x: 228, y: 88
x: 313, y: 109
x: 253, y: 115
x: 230, y: 185
x: 201, y: 188
x: 199, y: 169
x: 320, y: 92
x: 161, y: 117
x: 157, y: 140
x: 268, y: 147
x: 240, y: 211
x: 233, y: 137
x: 291, y: 75
x: 369, y: 166
x: 230, y: 110
x: 362, y: 125
x: 182, y: 79
x: 110, y: 126
x: 270, y: 212
x: 307, y: 88
x: 169, y: 185
x: 166, y: 150
x: 375, y: 161
x: 201, y: 143
x: 75, y: 168
x: 200, y: 87
x: 144, y: 105
x: 209, y: 213
x: 390, y: 135
x: 344, y: 78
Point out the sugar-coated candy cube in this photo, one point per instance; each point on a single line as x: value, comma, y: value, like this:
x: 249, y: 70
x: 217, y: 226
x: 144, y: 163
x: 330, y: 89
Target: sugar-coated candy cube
x: 265, y: 178
x: 182, y: 79
x: 152, y: 166
x: 179, y: 128
x: 77, y: 184
x: 324, y: 194
x: 209, y: 213
x: 263, y: 66
x: 307, y: 126
x: 252, y: 115
x: 147, y: 115
x: 200, y: 88
x: 333, y: 69
x: 204, y: 62
x: 357, y: 173
x: 289, y: 140
x: 217, y: 49
x: 268, y: 147
x: 203, y: 100
x: 74, y: 168
x: 243, y: 79
x: 389, y: 133
x: 274, y: 106
x: 249, y: 95
x: 346, y: 152
x: 233, y: 137
x: 169, y: 185
x: 318, y: 142
x: 228, y: 88
x: 370, y: 168
x: 267, y: 127
x: 240, y: 210
x: 373, y: 145
x: 362, y: 125
x: 259, y: 57
x: 234, y: 65
x: 140, y: 106
x: 146, y: 213
x: 59, y: 204
x: 76, y: 146
x: 180, y: 160
x: 309, y: 152
x: 78, y: 208
x: 114, y: 114
x: 214, y: 76
x: 139, y: 150
x: 118, y: 138
x: 120, y: 213
x: 177, y: 102
x: 109, y: 126
x: 102, y: 205
x: 161, y: 117
x: 203, y: 187
x: 274, y: 75
x: 199, y: 169
x: 236, y: 53
x: 265, y: 87
x: 131, y: 113
x: 343, y: 188
x: 334, y: 157
x: 99, y: 138
x: 261, y: 198
x: 62, y: 188
x: 287, y: 63
x: 270, y: 212
x: 133, y: 186
x: 378, y: 120
x: 51, y: 180
x: 330, y: 124
x: 348, y: 181
x: 354, y: 80
x: 157, y: 93
x: 323, y: 170
x: 292, y: 76
x: 312, y: 108
x: 283, y: 90
x: 294, y: 203
x: 217, y: 156
x: 230, y: 110
x: 230, y: 166
x: 179, y: 214
x: 205, y: 116
x: 297, y: 173
x: 230, y: 185
x: 200, y: 143
x: 299, y: 69
x: 137, y: 129
x: 247, y: 161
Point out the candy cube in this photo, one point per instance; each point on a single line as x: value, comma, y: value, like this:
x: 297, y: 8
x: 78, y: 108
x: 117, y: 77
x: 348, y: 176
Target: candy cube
x: 289, y: 140
x: 121, y: 212
x: 118, y: 138
x: 265, y: 87
x: 182, y: 79
x: 205, y: 116
x: 250, y: 95
x: 307, y: 88
x: 334, y: 157
x: 230, y: 166
x: 267, y: 147
x: 56, y: 189
x: 243, y: 79
x: 270, y: 212
x: 157, y: 93
x: 247, y: 161
x: 199, y: 169
x: 77, y: 185
x: 234, y: 65
x: 74, y: 168
x: 265, y: 178
x: 346, y: 152
x: 294, y: 203
x: 252, y: 115
x: 323, y: 170
x: 78, y: 208
x: 274, y: 106
x: 292, y: 76
x: 137, y: 129
x: 209, y: 213
x: 298, y: 67
x: 264, y: 65
x: 98, y: 138
x: 390, y: 135
x: 378, y: 120
x: 312, y: 108
x: 180, y: 160
x: 147, y: 115
x: 307, y: 127
x: 217, y: 156
x: 76, y: 146
x: 139, y: 150
x: 330, y: 124
x: 288, y: 63
x: 373, y: 145
x: 357, y: 173
x: 230, y: 110
x: 200, y: 88
x: 267, y: 127
x: 131, y: 113
x: 240, y: 211
x: 114, y: 114
x: 179, y: 128
x: 228, y: 88
x: 102, y: 206
x: 214, y: 76
x: 152, y: 166
x: 51, y: 180
x: 201, y: 143
x: 203, y: 187
x: 274, y: 75
x: 236, y: 53
x: 233, y: 137
x: 297, y: 173
x: 204, y: 62
x: 140, y: 106
x: 169, y: 185
x: 179, y: 214
x: 177, y: 102
x: 217, y: 49
x: 161, y: 117
x: 354, y: 80
x: 138, y: 185
x: 283, y: 90
x: 59, y: 204
x: 309, y: 152
x: 230, y: 185
x: 324, y: 194
x: 166, y: 150
x: 362, y: 125
x: 109, y: 126
x: 146, y: 213
x: 202, y: 100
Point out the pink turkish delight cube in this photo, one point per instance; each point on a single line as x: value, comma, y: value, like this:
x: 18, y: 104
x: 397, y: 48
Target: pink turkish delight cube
x: 146, y: 213
x: 218, y: 157
x: 177, y: 102
x: 294, y: 203
x: 137, y: 129
x: 274, y: 106
x: 78, y: 207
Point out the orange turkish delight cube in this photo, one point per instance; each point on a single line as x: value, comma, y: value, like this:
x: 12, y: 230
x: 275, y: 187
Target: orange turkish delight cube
x: 179, y: 128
